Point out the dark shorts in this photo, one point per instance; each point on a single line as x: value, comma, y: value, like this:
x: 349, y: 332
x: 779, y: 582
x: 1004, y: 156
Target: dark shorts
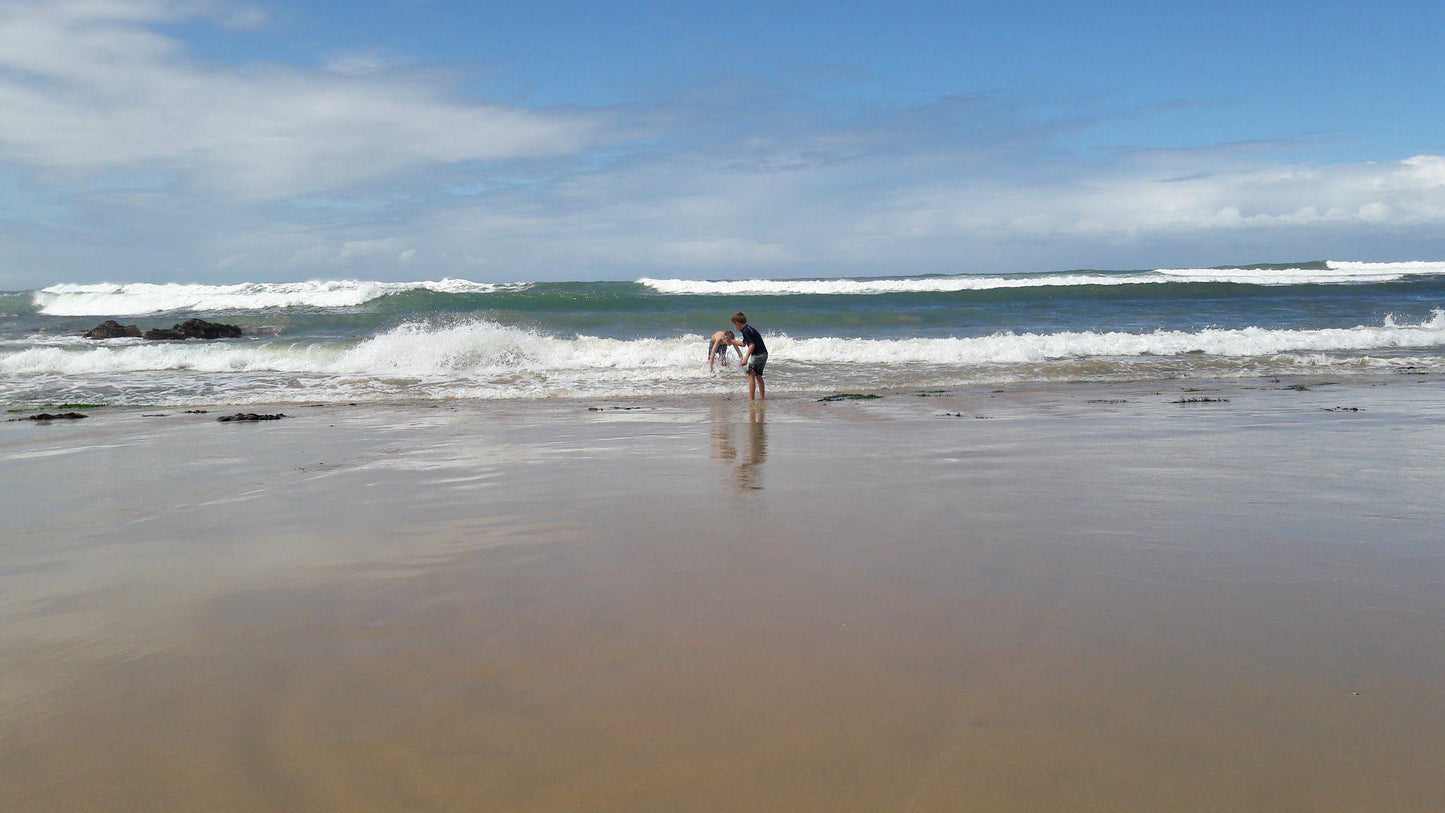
x: 755, y: 363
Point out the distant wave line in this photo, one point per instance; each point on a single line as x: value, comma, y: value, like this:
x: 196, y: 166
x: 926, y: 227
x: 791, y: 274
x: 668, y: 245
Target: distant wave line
x: 137, y: 298
x: 1335, y: 273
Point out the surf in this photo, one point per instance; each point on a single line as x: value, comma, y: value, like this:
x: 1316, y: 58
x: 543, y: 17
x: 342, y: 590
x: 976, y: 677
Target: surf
x: 1329, y: 272
x: 485, y: 348
x: 139, y: 298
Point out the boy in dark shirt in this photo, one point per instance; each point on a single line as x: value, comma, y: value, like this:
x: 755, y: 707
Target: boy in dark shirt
x: 754, y: 357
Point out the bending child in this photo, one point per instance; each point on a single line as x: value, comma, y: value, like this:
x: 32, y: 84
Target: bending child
x: 717, y: 347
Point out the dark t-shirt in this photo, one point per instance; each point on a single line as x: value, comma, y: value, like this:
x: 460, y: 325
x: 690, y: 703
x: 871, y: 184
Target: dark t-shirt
x: 753, y: 337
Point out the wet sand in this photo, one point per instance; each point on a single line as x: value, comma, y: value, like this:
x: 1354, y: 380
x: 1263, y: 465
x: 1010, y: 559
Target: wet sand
x: 1070, y: 598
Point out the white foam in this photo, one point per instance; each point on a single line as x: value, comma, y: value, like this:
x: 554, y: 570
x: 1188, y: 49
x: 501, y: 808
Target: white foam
x: 1411, y: 267
x: 783, y: 287
x: 1336, y: 273
x: 1011, y: 348
x: 141, y: 298
x: 485, y: 350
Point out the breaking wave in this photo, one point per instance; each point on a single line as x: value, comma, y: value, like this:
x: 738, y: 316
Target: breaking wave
x: 1328, y: 273
x: 485, y: 349
x: 141, y: 298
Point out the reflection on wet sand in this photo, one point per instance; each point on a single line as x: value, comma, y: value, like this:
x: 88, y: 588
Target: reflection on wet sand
x: 722, y: 443
x: 497, y: 609
x: 747, y: 473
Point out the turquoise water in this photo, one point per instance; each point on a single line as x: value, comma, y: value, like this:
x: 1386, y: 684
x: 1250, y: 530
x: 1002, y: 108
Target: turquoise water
x: 456, y: 339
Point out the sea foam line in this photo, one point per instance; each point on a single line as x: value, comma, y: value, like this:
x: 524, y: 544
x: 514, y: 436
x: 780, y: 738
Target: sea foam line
x: 899, y: 285
x: 1335, y: 273
x: 129, y: 299
x: 485, y: 349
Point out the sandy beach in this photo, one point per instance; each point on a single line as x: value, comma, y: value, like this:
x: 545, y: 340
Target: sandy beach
x: 1061, y: 597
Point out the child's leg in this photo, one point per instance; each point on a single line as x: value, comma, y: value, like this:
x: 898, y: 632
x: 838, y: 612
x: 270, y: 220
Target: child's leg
x: 762, y: 388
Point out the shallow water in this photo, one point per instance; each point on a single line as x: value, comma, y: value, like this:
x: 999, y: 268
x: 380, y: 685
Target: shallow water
x: 453, y: 339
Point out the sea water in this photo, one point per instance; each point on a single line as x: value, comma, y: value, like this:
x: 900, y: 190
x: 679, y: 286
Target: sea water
x: 444, y: 339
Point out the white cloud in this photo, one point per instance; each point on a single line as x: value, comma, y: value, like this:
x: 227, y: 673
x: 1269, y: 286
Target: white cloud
x: 88, y: 86
x: 148, y: 163
x: 348, y: 253
x: 690, y: 214
x: 360, y: 63
x: 1136, y: 202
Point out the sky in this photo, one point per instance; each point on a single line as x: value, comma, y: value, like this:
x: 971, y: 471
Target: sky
x: 216, y: 141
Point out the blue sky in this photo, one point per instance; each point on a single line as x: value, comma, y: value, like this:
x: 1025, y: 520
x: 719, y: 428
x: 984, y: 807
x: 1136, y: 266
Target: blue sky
x: 203, y: 140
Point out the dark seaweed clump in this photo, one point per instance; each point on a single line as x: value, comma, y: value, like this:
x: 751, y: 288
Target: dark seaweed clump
x: 250, y: 417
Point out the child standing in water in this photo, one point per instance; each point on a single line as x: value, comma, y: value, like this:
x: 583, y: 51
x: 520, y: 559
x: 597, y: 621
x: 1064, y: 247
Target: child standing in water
x: 754, y: 358
x: 718, y: 346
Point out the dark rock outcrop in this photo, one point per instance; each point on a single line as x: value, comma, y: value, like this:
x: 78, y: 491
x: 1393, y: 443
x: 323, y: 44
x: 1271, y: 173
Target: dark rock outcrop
x: 250, y: 417
x: 111, y: 329
x: 57, y: 416
x: 195, y: 329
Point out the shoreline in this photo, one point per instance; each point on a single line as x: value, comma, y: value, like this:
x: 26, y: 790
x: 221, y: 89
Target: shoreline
x: 1183, y: 382
x: 1095, y: 598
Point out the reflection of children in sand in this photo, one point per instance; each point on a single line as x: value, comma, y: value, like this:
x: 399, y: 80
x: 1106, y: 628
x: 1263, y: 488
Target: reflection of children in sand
x: 748, y: 472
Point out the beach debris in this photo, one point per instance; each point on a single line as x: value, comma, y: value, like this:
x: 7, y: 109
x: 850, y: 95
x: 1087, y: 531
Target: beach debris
x: 52, y: 416
x: 197, y: 412
x: 850, y: 396
x: 961, y: 415
x: 194, y: 329
x: 1205, y: 400
x: 604, y: 409
x: 154, y: 414
x: 250, y: 417
x: 1344, y: 409
x: 111, y: 329
x: 930, y: 393
x: 1107, y: 401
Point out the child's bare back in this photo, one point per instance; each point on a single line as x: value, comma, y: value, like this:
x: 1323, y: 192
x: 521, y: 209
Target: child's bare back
x: 717, y: 347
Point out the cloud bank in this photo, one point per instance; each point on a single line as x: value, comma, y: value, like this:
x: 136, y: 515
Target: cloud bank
x: 125, y: 155
x: 93, y: 86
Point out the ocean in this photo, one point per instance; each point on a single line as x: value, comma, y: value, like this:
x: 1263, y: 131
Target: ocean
x: 360, y: 341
